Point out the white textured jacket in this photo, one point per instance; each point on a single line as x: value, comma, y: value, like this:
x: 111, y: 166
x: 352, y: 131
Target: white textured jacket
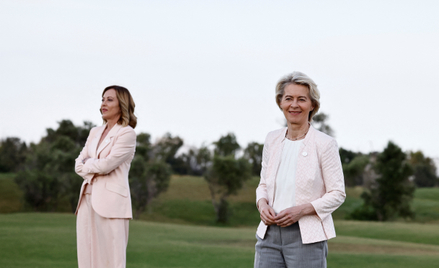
x: 319, y: 181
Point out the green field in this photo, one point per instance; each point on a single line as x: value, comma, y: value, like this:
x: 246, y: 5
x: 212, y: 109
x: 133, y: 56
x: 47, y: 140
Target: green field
x: 48, y: 240
x: 187, y: 201
x: 179, y: 231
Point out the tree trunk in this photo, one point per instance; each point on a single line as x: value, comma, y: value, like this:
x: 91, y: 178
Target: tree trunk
x: 214, y: 203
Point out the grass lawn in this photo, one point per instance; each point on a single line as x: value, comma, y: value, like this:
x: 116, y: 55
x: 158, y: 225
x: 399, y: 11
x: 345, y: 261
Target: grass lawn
x: 48, y: 240
x: 426, y: 205
x: 187, y: 201
x: 179, y: 230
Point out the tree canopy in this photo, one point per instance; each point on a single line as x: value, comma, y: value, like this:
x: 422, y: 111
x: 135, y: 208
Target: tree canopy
x: 226, y: 175
x: 392, y: 192
x: 424, y: 170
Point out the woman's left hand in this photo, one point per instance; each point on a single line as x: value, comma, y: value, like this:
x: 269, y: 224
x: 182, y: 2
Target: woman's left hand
x: 291, y: 215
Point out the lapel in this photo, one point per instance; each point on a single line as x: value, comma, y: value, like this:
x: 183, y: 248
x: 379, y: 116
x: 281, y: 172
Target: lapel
x: 307, y: 141
x: 276, y: 156
x: 108, y: 138
x: 95, y: 141
x: 277, y: 150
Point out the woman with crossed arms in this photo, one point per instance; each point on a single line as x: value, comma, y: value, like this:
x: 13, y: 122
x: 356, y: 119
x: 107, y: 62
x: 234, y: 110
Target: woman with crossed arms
x: 301, y: 183
x: 104, y: 206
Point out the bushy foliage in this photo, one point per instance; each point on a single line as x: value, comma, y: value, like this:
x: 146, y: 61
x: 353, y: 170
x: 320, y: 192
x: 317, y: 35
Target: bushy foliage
x: 149, y: 174
x: 147, y: 180
x: 424, y: 170
x: 226, y: 145
x: 346, y: 156
x: 392, y: 192
x: 166, y: 148
x: 48, y: 173
x: 354, y: 170
x: 320, y: 122
x: 196, y: 160
x: 12, y: 154
x: 226, y: 175
x: 253, y: 153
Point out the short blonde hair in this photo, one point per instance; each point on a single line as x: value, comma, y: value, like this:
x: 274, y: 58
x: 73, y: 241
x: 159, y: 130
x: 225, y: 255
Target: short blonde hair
x: 126, y: 105
x: 299, y: 78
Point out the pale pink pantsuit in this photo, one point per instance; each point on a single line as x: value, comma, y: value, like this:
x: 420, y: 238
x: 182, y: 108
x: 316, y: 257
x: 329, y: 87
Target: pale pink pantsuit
x: 104, y: 206
x: 101, y: 242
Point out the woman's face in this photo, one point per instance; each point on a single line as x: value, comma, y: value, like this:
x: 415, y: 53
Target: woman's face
x: 296, y: 104
x: 110, y: 106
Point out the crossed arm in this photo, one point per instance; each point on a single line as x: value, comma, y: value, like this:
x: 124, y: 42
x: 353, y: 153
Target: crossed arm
x: 121, y: 151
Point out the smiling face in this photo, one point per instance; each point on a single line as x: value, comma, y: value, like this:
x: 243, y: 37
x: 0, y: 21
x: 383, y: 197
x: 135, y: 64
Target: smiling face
x: 110, y: 109
x: 296, y: 104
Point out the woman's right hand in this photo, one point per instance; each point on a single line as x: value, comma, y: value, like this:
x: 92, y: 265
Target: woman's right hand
x: 267, y: 212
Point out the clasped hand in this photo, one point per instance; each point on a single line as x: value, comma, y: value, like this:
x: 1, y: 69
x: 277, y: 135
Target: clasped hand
x: 284, y: 218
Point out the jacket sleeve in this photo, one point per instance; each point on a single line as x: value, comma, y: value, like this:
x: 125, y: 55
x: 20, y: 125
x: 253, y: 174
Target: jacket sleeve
x: 122, y: 150
x: 83, y: 155
x: 333, y: 179
x: 261, y: 191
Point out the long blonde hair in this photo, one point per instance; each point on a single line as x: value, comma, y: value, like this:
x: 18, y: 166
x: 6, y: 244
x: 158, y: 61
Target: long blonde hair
x: 126, y: 105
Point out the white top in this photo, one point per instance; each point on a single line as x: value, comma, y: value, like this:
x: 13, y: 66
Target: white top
x: 284, y: 196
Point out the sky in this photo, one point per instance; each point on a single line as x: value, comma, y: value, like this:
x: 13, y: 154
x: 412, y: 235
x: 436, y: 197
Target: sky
x: 202, y: 69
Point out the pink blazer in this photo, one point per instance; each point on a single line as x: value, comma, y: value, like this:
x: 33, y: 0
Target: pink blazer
x: 107, y: 170
x: 319, y: 181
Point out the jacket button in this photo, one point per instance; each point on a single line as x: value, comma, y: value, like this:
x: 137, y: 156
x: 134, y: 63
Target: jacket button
x: 304, y: 153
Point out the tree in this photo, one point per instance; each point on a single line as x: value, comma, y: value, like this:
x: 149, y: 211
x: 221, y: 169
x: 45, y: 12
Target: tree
x: 189, y: 160
x: 41, y: 188
x: 354, y: 170
x: 149, y: 175
x: 320, y: 120
x: 392, y: 192
x: 346, y: 156
x: 147, y: 181
x: 166, y: 149
x: 66, y: 128
x: 204, y: 158
x: 12, y: 154
x: 226, y: 175
x: 144, y: 146
x: 196, y: 160
x: 226, y: 145
x: 424, y: 170
x: 253, y: 153
x: 48, y: 173
x: 225, y: 178
x: 356, y: 167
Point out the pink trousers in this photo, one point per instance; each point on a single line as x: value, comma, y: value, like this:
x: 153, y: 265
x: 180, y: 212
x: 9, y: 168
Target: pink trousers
x: 101, y: 242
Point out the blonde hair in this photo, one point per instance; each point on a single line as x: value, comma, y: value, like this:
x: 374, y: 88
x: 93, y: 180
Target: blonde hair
x: 299, y: 78
x: 126, y: 105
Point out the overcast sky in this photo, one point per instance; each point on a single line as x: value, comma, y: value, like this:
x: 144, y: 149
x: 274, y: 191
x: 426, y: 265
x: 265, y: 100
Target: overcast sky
x: 201, y: 69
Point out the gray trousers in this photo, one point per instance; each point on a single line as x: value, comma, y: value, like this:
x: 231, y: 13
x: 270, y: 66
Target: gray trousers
x: 283, y: 247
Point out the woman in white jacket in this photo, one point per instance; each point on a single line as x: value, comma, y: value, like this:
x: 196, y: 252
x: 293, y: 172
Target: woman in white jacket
x: 301, y: 183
